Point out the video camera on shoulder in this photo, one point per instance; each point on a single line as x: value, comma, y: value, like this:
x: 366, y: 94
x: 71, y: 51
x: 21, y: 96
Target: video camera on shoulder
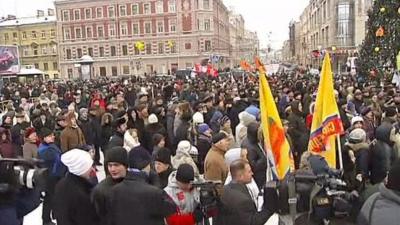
x: 209, y: 197
x: 19, y: 173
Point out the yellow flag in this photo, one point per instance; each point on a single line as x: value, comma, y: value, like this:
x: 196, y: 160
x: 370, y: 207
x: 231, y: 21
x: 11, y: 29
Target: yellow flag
x: 326, y: 123
x: 274, y: 134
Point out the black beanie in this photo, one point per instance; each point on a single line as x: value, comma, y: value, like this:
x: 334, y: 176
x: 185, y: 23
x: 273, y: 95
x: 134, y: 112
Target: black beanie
x: 185, y: 173
x: 118, y: 155
x: 218, y: 137
x: 118, y: 122
x: 394, y: 177
x: 139, y: 158
x: 164, y: 156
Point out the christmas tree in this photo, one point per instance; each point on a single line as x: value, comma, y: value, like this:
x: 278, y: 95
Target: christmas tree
x: 382, y: 42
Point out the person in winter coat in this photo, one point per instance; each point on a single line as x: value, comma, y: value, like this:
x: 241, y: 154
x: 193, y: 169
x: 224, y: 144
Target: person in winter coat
x: 84, y: 123
x: 381, y: 153
x: 72, y: 204
x: 106, y: 130
x: 170, y: 117
x: 356, y: 159
x: 163, y: 166
x: 6, y: 147
x: 369, y: 123
x: 17, y: 131
x: 241, y: 153
x: 117, y: 139
x: 183, y: 131
x: 158, y: 141
x: 30, y: 148
x: 225, y: 126
x: 184, y: 196
x: 134, y: 199
x: 238, y: 204
x: 131, y: 139
x: 215, y: 167
x: 241, y: 129
x: 203, y: 144
x: 255, y: 154
x: 297, y: 131
x: 94, y: 116
x: 153, y: 127
x: 383, y: 207
x: 184, y: 154
x: 51, y: 155
x: 238, y: 106
x: 72, y: 136
x: 116, y: 161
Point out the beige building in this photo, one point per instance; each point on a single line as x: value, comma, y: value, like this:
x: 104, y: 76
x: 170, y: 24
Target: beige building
x: 175, y: 34
x: 237, y: 35
x: 36, y: 40
x: 336, y: 26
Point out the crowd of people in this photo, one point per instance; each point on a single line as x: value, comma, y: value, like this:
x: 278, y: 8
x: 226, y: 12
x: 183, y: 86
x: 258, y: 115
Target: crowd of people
x: 160, y: 136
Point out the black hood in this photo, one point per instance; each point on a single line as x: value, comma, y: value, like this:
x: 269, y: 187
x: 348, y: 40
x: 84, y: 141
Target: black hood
x: 383, y: 133
x: 252, y: 132
x: 295, y: 105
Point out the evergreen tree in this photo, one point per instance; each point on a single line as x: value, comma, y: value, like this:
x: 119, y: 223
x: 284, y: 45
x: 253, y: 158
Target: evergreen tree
x: 382, y: 41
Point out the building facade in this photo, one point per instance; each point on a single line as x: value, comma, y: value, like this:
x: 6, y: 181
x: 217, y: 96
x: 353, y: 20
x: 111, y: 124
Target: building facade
x: 172, y: 34
x: 36, y: 39
x: 237, y: 35
x: 336, y: 26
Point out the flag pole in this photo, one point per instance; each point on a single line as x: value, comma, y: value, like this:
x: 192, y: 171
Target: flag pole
x: 340, y: 152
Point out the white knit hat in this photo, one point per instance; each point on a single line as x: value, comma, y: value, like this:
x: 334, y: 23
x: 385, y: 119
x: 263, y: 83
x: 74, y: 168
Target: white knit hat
x: 198, y: 118
x: 356, y: 119
x: 153, y: 119
x: 77, y: 161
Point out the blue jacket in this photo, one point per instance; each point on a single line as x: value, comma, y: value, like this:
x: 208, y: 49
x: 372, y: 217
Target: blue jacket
x: 51, y: 154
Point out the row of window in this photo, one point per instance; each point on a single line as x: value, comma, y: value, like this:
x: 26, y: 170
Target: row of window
x: 35, y: 50
x: 33, y: 34
x: 122, y: 9
x: 87, y: 32
x: 46, y: 66
x: 125, y: 52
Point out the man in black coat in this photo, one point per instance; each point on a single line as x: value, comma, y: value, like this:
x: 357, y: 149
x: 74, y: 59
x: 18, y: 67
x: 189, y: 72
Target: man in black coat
x: 238, y: 204
x: 72, y: 194
x: 134, y: 201
x: 117, y: 139
x: 116, y: 161
x: 256, y: 155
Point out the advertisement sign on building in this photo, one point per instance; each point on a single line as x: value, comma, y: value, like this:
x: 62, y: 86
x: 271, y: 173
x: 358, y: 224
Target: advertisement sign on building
x: 9, y: 60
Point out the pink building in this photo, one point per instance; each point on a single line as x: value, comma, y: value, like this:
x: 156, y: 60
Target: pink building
x: 176, y: 34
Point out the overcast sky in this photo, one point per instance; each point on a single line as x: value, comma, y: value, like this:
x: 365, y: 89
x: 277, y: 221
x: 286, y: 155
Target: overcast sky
x: 263, y: 16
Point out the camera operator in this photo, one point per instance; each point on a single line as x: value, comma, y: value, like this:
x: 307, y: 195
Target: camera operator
x: 185, y: 196
x: 15, y: 201
x: 238, y: 204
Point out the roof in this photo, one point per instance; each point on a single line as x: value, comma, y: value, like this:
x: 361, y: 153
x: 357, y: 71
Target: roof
x: 28, y: 21
x: 30, y: 71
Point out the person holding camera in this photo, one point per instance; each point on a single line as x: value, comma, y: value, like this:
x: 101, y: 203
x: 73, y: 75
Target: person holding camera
x: 238, y: 204
x: 16, y: 201
x: 185, y: 196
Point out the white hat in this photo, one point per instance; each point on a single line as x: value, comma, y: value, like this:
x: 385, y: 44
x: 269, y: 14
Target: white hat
x: 153, y: 119
x: 356, y: 119
x: 232, y: 155
x: 78, y: 161
x: 235, y: 99
x: 198, y: 118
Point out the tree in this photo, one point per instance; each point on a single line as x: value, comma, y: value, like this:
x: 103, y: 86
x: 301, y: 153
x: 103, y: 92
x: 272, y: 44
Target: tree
x: 382, y: 41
